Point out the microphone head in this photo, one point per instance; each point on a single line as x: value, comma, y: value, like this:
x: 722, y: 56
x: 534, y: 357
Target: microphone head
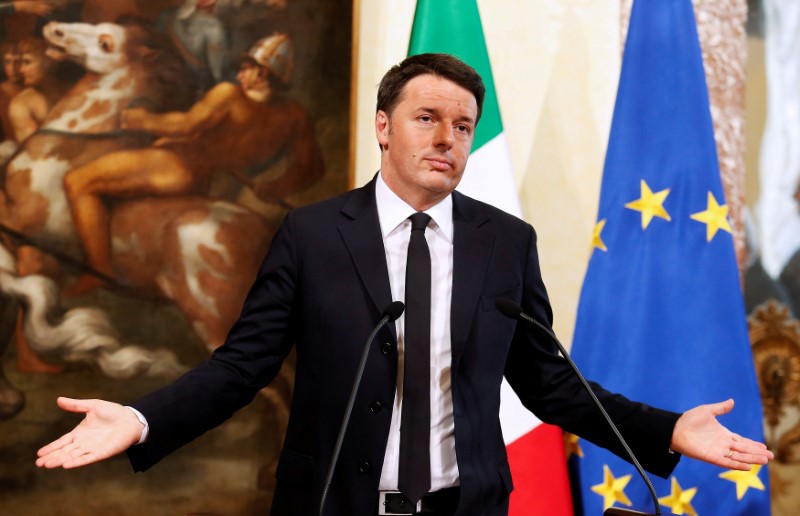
x: 508, y: 308
x: 394, y: 310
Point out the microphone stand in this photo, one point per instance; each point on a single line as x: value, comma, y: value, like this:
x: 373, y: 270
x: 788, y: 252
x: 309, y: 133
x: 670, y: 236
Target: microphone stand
x: 510, y: 309
x: 392, y: 312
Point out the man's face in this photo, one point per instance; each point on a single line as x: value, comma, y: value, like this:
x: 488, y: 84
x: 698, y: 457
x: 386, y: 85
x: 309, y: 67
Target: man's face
x: 33, y: 68
x: 427, y: 139
x: 249, y: 75
x: 11, y: 61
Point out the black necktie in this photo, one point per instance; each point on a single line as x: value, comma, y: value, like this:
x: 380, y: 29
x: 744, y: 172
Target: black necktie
x: 415, y: 424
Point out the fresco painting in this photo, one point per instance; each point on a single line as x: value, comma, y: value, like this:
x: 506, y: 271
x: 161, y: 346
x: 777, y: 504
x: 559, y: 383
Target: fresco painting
x: 149, y: 151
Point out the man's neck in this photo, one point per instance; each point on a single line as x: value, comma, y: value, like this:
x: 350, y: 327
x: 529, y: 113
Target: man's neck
x: 419, y: 199
x: 259, y: 93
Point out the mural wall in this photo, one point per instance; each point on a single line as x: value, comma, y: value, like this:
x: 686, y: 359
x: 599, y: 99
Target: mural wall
x: 149, y: 151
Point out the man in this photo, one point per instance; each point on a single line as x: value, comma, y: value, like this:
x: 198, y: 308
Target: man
x: 332, y: 268
x: 237, y: 129
x: 43, y: 89
x: 10, y: 87
x: 26, y: 112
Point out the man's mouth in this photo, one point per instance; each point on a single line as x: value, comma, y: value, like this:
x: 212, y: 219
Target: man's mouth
x: 439, y: 164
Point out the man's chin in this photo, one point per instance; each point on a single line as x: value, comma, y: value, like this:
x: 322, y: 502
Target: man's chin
x: 443, y: 185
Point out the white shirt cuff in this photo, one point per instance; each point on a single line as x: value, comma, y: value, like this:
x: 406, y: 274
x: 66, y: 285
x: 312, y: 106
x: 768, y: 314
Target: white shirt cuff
x: 141, y: 418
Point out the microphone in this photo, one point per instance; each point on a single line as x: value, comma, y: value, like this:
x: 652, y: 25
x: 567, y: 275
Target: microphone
x: 390, y: 314
x: 514, y: 311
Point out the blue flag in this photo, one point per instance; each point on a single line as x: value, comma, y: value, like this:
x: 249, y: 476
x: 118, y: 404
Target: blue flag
x: 661, y: 317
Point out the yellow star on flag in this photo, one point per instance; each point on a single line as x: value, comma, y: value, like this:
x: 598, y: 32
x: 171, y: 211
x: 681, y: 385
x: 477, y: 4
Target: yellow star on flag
x: 715, y: 217
x: 596, y: 240
x: 679, y: 500
x: 744, y: 480
x: 650, y: 204
x: 572, y: 446
x: 612, y: 489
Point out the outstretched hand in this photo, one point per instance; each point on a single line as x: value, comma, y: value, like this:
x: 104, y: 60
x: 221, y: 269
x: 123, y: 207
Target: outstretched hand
x: 108, y: 429
x: 699, y: 435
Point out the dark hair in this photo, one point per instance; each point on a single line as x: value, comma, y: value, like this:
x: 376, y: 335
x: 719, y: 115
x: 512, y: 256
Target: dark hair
x: 33, y: 45
x: 440, y: 65
x: 8, y: 48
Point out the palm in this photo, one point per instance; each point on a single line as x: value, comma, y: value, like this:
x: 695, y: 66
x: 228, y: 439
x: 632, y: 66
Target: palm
x: 107, y: 429
x: 706, y: 438
x: 699, y: 435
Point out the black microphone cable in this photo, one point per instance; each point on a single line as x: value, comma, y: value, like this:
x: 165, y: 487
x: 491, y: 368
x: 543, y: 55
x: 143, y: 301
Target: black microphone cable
x: 390, y: 314
x: 514, y: 311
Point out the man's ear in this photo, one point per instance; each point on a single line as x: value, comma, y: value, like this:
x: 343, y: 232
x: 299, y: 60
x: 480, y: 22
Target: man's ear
x: 382, y: 128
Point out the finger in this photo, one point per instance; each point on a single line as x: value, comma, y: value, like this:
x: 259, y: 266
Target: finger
x: 739, y: 466
x: 73, y: 405
x: 59, y: 443
x: 750, y: 458
x: 734, y: 462
x: 721, y: 408
x: 62, y: 457
x: 747, y: 445
x: 753, y: 449
x: 53, y: 460
x: 59, y: 454
x: 48, y: 462
x: 742, y: 460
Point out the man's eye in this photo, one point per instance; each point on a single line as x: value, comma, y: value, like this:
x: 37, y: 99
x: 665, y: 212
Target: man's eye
x: 426, y: 118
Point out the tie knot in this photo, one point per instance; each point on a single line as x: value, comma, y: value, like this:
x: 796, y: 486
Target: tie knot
x: 419, y: 220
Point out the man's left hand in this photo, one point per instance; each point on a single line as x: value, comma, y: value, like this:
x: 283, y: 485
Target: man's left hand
x: 699, y: 435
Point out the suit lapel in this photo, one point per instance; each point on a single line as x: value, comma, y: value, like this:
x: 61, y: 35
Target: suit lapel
x: 471, y: 251
x: 362, y: 236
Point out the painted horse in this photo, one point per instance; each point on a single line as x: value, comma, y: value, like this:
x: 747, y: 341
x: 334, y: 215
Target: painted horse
x: 199, y: 253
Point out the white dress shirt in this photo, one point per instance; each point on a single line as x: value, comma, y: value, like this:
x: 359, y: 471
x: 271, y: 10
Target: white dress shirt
x: 393, y: 213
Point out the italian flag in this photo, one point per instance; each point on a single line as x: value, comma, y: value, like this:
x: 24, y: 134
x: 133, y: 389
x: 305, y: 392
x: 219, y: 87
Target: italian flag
x: 535, y: 450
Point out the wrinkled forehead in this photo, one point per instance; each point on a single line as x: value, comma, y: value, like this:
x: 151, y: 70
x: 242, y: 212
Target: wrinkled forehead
x: 430, y: 88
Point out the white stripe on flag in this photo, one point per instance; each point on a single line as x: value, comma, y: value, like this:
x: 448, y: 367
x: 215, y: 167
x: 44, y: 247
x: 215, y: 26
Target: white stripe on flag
x: 490, y: 178
x: 514, y: 417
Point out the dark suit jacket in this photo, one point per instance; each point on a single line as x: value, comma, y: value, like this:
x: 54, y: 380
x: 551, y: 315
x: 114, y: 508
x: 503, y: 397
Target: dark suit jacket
x: 322, y: 288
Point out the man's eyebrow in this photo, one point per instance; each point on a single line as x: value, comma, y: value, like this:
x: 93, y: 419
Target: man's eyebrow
x: 462, y: 118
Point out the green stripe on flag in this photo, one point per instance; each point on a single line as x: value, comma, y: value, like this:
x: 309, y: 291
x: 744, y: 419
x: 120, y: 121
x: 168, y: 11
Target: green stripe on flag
x: 454, y: 27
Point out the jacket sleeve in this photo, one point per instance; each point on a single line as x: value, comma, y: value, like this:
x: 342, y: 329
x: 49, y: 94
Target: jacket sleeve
x: 549, y: 388
x: 250, y: 358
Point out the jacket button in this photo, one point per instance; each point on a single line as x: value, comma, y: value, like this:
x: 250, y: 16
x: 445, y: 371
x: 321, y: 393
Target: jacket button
x: 387, y: 348
x: 364, y: 467
x: 375, y: 406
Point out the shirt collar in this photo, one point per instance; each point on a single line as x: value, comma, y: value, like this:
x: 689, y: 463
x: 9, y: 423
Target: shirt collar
x: 393, y: 211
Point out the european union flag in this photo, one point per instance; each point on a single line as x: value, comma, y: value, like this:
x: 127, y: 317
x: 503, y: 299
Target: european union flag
x: 661, y: 317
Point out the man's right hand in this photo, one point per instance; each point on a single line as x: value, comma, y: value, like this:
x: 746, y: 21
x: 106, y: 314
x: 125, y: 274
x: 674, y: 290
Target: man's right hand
x: 108, y: 429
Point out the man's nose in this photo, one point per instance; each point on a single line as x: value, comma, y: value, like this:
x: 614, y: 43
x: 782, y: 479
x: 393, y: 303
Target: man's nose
x: 444, y: 136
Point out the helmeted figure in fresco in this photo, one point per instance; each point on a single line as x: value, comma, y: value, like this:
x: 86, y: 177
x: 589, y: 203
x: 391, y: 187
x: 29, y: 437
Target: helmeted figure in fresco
x: 197, y: 252
x: 164, y: 237
x: 235, y: 129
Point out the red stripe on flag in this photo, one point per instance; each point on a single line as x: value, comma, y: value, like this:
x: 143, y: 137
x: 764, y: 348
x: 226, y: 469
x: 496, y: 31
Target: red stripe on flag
x: 539, y: 469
